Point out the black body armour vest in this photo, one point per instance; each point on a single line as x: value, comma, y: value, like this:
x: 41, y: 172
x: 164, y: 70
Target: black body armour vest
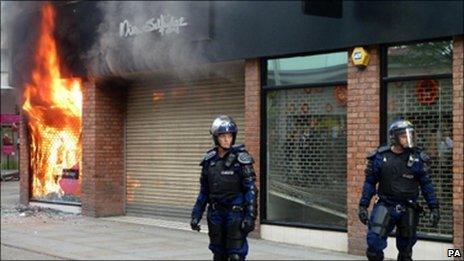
x: 396, y: 178
x: 224, y: 182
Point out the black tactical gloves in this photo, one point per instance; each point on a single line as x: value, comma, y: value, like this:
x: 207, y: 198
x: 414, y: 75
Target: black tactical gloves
x: 194, y: 224
x: 434, y: 216
x: 248, y: 225
x: 363, y: 214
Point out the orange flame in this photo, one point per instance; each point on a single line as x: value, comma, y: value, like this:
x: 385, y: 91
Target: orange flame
x: 54, y: 107
x: 132, y: 185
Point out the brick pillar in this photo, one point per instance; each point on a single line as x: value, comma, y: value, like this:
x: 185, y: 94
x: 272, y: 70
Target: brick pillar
x: 363, y: 112
x: 24, y: 174
x: 103, y: 181
x: 253, y: 119
x: 458, y: 142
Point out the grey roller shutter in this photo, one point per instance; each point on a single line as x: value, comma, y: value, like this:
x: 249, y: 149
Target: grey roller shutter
x: 167, y: 134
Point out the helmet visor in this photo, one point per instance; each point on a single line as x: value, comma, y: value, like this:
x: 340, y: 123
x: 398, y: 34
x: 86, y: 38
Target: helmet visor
x: 410, y: 137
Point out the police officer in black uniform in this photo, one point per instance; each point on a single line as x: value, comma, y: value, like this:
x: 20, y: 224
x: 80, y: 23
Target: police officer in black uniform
x: 227, y: 186
x: 399, y: 169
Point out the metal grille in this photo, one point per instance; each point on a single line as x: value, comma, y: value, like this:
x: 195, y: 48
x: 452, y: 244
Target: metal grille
x: 167, y: 135
x: 428, y: 105
x: 306, y: 166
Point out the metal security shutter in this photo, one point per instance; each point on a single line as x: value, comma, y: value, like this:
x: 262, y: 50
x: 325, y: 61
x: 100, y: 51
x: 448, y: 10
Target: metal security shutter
x: 167, y: 134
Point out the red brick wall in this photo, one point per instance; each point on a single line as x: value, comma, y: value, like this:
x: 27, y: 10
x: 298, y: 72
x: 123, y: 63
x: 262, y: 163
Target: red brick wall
x: 24, y: 192
x: 253, y: 118
x: 103, y: 184
x: 363, y: 110
x: 458, y: 142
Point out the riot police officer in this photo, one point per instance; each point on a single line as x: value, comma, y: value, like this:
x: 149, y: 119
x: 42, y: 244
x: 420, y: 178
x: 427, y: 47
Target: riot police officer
x: 227, y: 186
x: 399, y: 169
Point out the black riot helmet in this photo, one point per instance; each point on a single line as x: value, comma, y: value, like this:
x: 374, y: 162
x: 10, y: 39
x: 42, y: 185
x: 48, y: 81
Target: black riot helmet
x: 400, y: 127
x: 223, y: 124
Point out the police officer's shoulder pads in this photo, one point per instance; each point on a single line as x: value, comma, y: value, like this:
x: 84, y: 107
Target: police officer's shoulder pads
x: 424, y: 157
x: 380, y: 149
x: 245, y: 158
x: 239, y: 147
x: 208, y: 155
x: 371, y: 154
x: 383, y: 149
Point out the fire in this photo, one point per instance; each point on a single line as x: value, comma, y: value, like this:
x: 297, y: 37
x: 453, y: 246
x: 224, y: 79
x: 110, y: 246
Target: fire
x: 132, y: 185
x: 54, y: 108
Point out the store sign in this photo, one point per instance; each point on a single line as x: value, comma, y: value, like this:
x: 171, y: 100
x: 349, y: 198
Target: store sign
x: 164, y: 20
x: 164, y: 24
x: 8, y: 149
x: 9, y: 118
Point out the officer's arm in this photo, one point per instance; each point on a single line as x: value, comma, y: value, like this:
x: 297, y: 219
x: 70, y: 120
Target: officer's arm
x: 248, y: 183
x: 202, y: 198
x: 426, y: 183
x: 372, y: 177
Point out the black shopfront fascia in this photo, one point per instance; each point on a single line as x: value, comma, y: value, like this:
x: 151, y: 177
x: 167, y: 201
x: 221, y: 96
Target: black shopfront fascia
x: 238, y: 30
x: 263, y: 153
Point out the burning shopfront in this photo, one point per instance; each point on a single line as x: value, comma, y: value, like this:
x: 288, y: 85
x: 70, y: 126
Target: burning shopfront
x: 126, y: 136
x: 53, y: 108
x: 117, y: 107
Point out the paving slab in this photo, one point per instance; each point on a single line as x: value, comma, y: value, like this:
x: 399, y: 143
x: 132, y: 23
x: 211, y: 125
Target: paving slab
x: 13, y: 253
x: 49, y: 235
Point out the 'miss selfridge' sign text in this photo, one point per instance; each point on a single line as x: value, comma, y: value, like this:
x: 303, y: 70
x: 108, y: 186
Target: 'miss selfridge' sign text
x: 165, y: 24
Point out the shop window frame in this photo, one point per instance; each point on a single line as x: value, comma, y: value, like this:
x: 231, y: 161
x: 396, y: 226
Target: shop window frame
x: 265, y: 88
x: 384, y: 81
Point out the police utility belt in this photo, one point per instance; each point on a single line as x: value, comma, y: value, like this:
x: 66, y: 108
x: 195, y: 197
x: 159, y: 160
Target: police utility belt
x: 400, y: 205
x: 217, y: 206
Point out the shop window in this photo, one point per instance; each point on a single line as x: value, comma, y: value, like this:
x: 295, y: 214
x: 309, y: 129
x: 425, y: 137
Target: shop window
x: 306, y: 150
x: 307, y: 69
x: 9, y: 147
x: 420, y: 59
x: 426, y: 100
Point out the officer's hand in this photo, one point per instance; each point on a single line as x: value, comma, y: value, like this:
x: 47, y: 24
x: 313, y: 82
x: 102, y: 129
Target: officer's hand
x: 434, y: 216
x: 248, y: 225
x: 194, y: 224
x: 363, y: 215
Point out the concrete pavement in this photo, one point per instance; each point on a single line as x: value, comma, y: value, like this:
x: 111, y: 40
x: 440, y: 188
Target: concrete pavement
x: 14, y: 253
x: 10, y: 193
x: 36, y: 233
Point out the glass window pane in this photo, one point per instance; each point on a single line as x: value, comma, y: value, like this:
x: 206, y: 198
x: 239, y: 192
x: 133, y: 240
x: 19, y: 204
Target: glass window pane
x: 428, y: 104
x: 306, y: 152
x: 307, y: 69
x: 420, y: 59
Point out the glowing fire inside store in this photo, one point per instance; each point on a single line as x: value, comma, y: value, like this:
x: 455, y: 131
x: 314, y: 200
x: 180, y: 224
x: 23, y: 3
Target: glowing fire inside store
x: 53, y: 107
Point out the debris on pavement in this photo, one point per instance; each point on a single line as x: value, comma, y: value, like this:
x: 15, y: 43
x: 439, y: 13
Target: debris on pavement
x: 16, y: 213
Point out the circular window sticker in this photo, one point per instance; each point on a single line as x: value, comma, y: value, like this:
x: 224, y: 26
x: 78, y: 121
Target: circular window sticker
x: 427, y: 91
x: 291, y: 108
x: 304, y: 108
x: 341, y: 94
x: 328, y: 107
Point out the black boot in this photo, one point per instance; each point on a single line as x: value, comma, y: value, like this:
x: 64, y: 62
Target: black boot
x: 373, y: 255
x: 234, y: 257
x: 219, y: 257
x: 404, y: 256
